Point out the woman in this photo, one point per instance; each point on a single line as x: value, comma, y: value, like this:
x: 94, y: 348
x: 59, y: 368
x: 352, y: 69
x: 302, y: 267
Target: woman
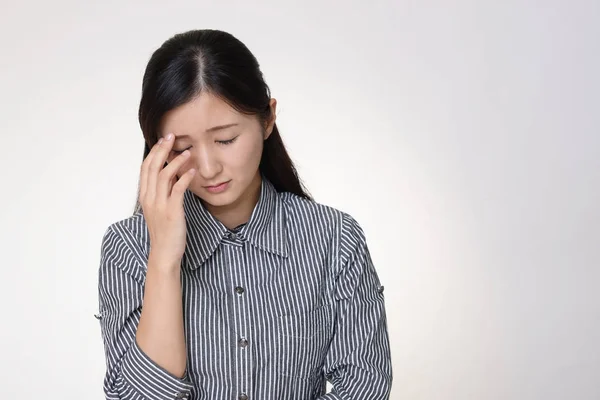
x: 250, y: 289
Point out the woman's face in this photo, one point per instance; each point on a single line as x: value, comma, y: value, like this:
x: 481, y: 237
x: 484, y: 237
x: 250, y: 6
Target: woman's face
x: 225, y: 146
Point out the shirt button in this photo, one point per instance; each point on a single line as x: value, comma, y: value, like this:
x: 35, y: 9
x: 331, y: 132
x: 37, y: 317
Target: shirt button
x: 380, y: 289
x: 182, y: 395
x: 232, y: 236
x: 243, y: 343
x: 243, y: 396
x: 239, y: 290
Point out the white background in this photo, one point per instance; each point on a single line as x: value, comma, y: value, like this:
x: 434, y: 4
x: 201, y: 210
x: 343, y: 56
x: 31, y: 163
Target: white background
x: 462, y: 135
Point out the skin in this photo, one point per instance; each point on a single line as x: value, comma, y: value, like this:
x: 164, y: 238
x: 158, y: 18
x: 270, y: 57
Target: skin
x: 215, y: 158
x: 229, y: 154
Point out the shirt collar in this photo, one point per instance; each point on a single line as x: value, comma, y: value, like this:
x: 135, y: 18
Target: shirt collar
x: 265, y: 229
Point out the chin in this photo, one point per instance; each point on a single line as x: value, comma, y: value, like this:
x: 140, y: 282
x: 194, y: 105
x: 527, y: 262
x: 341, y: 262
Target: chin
x: 214, y: 200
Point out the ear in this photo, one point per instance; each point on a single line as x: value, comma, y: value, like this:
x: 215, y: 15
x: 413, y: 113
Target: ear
x: 271, y: 123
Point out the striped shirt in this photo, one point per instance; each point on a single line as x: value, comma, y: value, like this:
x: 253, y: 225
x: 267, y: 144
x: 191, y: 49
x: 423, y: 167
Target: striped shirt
x: 272, y: 309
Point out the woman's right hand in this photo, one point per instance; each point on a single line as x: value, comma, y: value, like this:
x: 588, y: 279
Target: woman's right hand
x: 161, y: 198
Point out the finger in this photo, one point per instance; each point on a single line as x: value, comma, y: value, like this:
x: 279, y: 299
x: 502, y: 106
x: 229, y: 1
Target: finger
x: 144, y: 170
x: 156, y: 165
x: 172, y: 182
x: 180, y: 187
x: 168, y: 176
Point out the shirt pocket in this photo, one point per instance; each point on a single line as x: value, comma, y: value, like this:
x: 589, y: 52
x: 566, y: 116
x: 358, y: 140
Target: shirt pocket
x: 303, y: 342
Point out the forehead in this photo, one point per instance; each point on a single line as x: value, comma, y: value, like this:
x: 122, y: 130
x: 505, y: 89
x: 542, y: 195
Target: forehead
x: 198, y: 115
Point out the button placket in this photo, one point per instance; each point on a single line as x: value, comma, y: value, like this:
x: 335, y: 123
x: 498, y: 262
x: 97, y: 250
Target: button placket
x: 241, y: 302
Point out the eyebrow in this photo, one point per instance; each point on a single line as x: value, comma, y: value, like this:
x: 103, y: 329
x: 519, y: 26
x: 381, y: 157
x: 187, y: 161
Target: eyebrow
x: 210, y: 130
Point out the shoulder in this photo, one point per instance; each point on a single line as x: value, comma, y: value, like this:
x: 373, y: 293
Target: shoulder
x: 325, y: 218
x: 126, y: 242
x: 127, y: 229
x: 303, y: 208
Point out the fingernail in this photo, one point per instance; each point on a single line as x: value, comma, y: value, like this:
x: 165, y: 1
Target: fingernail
x: 160, y: 140
x: 169, y: 136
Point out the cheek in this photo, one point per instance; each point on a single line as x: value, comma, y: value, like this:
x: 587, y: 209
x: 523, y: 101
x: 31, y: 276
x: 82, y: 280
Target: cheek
x: 246, y: 154
x: 243, y: 156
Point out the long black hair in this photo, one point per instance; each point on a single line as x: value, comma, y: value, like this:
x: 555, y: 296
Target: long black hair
x: 215, y: 62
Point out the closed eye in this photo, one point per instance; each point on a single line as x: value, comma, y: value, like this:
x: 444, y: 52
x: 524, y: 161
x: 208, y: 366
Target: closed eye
x: 223, y: 142
x: 180, y: 151
x: 227, y: 141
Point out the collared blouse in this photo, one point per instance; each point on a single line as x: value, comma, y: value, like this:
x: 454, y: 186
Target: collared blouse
x: 272, y: 309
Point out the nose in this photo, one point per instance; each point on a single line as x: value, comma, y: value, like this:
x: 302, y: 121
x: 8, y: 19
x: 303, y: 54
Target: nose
x: 208, y: 165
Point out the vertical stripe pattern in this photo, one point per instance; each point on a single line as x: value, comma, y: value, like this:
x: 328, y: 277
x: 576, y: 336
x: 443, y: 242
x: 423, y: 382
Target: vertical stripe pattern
x: 272, y: 309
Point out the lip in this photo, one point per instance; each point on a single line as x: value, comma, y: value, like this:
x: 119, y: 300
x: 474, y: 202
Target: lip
x: 217, y: 188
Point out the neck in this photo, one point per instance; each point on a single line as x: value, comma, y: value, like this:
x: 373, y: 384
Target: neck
x: 238, y: 212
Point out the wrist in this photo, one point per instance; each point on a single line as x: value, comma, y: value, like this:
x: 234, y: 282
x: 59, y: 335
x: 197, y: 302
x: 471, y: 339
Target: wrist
x: 165, y: 264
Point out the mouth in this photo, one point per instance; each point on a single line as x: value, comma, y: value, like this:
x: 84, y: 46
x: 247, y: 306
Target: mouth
x: 217, y: 188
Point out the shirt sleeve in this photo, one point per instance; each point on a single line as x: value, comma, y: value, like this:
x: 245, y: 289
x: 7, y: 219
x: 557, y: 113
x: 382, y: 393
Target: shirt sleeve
x: 130, y: 373
x: 358, y: 363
